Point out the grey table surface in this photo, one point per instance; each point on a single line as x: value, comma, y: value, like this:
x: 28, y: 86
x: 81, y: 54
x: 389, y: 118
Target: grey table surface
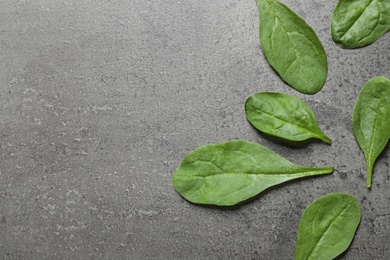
x: 101, y: 100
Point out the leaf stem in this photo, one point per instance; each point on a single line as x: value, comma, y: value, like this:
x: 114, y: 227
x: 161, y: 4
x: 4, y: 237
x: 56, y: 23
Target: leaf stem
x: 326, y: 139
x: 369, y: 173
x: 318, y: 171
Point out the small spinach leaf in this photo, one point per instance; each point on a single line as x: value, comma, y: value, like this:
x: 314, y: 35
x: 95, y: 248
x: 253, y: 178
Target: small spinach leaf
x: 284, y: 116
x: 371, y: 120
x: 228, y: 173
x: 327, y: 227
x: 357, y: 23
x: 291, y: 47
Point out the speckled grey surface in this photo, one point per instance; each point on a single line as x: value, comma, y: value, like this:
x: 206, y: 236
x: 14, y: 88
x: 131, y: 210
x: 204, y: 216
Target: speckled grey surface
x: 101, y: 100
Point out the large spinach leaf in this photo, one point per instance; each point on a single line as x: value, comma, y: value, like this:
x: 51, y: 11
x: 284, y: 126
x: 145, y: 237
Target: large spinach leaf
x: 291, y: 47
x: 284, y: 116
x: 327, y: 227
x: 357, y: 23
x: 371, y: 120
x: 227, y: 173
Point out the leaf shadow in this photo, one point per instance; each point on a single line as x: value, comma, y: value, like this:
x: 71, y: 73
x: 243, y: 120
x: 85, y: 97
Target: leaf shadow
x: 341, y: 256
x: 289, y: 143
x: 239, y: 205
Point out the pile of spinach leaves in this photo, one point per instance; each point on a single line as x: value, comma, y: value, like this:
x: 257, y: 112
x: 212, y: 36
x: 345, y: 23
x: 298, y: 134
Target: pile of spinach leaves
x: 229, y: 173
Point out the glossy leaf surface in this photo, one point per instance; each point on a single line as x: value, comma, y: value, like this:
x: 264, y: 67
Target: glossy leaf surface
x: 357, y: 23
x: 284, y: 116
x: 228, y: 173
x: 327, y: 227
x: 291, y: 47
x: 371, y: 120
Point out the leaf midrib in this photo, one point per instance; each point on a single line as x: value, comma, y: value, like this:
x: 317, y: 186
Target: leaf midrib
x: 375, y: 131
x: 376, y: 26
x: 283, y: 120
x: 365, y: 8
x: 308, y: 171
x: 326, y: 230
x: 292, y: 46
x: 288, y: 37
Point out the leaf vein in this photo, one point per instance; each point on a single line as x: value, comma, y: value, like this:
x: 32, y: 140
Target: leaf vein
x: 286, y: 122
x: 326, y: 230
x: 360, y: 15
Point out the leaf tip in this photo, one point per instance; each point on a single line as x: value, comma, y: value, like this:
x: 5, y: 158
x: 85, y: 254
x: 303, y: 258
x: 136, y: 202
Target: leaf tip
x: 327, y: 139
x: 368, y: 183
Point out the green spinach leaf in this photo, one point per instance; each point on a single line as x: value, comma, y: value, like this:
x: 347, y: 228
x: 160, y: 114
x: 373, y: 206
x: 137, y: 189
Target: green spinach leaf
x: 371, y: 120
x: 327, y: 227
x: 291, y: 47
x: 228, y: 173
x: 284, y: 116
x: 357, y: 23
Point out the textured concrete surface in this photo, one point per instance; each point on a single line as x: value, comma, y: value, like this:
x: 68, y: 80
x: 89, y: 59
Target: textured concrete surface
x: 101, y: 100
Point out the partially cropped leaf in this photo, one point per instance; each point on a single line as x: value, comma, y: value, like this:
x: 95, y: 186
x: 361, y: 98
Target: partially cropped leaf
x: 284, y: 116
x: 327, y: 227
x: 357, y: 23
x: 291, y: 47
x: 228, y: 173
x: 371, y: 120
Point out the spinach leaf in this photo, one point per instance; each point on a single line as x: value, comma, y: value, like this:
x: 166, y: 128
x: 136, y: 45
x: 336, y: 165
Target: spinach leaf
x: 291, y: 47
x: 283, y: 116
x: 228, y: 173
x: 327, y: 227
x: 371, y: 120
x: 357, y: 23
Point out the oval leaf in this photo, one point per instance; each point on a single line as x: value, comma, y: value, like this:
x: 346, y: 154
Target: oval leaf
x: 371, y: 120
x: 327, y: 227
x: 228, y: 173
x: 357, y: 23
x: 284, y: 116
x: 291, y: 47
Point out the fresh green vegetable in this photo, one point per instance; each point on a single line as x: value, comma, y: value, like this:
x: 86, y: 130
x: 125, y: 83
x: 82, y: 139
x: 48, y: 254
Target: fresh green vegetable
x: 291, y: 47
x: 284, y: 116
x: 327, y: 227
x: 357, y: 23
x: 371, y: 120
x: 228, y: 173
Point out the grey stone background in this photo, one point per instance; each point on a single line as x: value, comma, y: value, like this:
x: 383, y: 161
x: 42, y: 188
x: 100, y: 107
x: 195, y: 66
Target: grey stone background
x: 101, y: 100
